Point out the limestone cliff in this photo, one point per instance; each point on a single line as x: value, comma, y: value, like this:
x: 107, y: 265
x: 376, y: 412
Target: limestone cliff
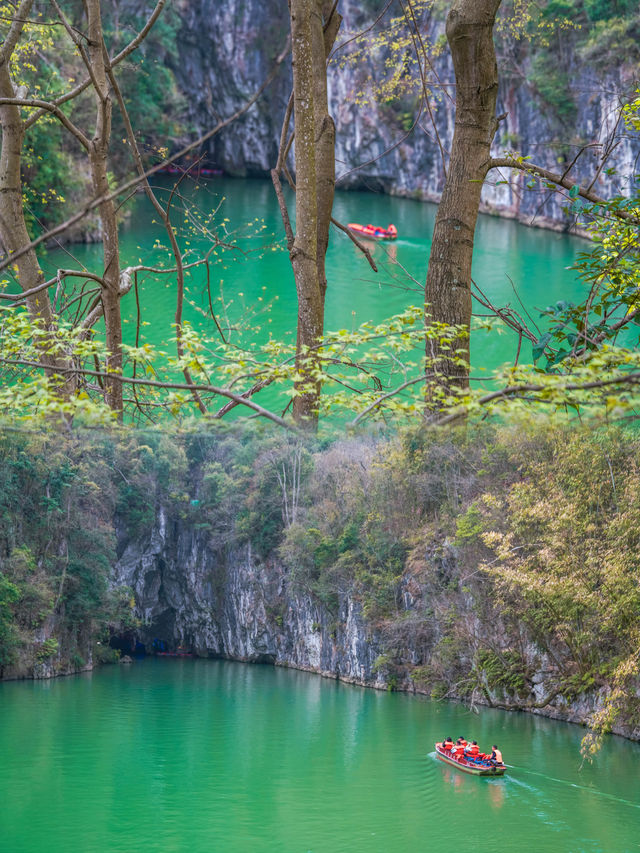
x: 234, y: 605
x: 227, y: 48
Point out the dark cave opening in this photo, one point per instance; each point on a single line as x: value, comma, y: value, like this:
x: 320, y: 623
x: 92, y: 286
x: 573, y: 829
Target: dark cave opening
x: 128, y: 643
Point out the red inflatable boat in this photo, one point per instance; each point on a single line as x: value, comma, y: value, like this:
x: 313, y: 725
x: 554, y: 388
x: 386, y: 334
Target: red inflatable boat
x: 374, y: 231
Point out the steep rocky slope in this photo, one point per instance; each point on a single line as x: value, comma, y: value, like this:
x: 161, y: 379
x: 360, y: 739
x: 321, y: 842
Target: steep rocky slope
x: 499, y: 567
x: 237, y: 606
x: 227, y: 48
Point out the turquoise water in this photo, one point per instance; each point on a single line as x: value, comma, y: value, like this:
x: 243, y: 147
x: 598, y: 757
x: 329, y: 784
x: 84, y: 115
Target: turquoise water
x: 255, y: 283
x: 196, y: 755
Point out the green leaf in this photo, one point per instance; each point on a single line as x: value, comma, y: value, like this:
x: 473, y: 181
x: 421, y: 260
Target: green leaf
x: 538, y: 348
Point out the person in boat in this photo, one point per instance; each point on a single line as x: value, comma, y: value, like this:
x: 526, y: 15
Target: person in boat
x: 496, y: 755
x: 392, y: 230
x: 447, y: 744
x: 458, y: 749
x: 473, y: 750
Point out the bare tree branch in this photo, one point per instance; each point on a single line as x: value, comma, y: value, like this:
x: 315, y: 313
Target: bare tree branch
x: 532, y: 388
x: 133, y: 182
x: 561, y: 181
x: 169, y: 386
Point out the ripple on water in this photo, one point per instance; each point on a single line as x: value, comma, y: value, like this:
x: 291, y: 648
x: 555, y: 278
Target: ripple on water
x: 203, y: 755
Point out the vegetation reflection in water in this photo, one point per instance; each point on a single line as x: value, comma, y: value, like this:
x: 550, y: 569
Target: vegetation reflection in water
x: 206, y: 755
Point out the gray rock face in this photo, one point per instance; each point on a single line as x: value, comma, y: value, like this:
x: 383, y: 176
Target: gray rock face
x: 227, y: 50
x: 235, y: 606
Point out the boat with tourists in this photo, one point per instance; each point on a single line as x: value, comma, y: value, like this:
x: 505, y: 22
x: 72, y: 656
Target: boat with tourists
x: 377, y: 232
x: 193, y: 171
x: 476, y: 765
x: 178, y: 653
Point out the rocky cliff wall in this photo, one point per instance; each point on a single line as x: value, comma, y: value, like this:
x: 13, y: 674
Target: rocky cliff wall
x: 236, y: 606
x: 227, y: 48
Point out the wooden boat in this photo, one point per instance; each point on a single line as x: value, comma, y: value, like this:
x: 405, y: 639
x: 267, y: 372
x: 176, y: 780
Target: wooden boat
x: 195, y: 171
x: 476, y: 768
x: 177, y: 654
x: 374, y: 231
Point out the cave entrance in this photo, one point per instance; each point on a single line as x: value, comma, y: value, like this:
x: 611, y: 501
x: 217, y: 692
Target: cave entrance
x: 162, y: 638
x: 128, y: 643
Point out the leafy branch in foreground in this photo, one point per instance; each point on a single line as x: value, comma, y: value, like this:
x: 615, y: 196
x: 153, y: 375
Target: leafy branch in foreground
x: 373, y: 372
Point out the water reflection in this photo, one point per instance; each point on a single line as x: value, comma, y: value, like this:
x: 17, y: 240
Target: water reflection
x: 168, y: 755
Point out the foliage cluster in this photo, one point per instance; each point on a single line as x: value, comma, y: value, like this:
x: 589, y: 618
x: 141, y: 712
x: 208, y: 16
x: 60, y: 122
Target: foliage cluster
x: 516, y: 546
x: 368, y: 372
x: 45, y: 66
x: 551, y: 35
x: 519, y: 543
x: 57, y: 547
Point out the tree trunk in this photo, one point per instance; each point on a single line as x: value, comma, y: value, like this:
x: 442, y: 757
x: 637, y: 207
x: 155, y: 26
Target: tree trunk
x: 13, y: 229
x: 448, y: 287
x: 315, y: 181
x: 98, y: 154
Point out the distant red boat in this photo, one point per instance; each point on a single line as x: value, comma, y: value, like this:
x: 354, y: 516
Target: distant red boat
x: 194, y: 171
x: 374, y: 231
x: 176, y: 654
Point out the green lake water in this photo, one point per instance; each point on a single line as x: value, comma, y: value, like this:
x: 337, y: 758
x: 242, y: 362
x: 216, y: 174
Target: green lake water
x: 198, y: 755
x: 256, y: 284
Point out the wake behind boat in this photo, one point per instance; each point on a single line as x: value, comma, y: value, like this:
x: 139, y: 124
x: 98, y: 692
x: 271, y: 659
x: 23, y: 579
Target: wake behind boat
x: 475, y: 765
x: 374, y: 231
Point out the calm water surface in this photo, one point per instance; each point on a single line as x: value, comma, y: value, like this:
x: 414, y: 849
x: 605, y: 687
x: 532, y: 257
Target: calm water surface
x: 257, y: 273
x: 199, y: 755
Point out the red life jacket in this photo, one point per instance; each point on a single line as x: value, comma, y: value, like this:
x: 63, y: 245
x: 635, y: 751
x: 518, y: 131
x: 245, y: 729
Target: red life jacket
x: 474, y: 750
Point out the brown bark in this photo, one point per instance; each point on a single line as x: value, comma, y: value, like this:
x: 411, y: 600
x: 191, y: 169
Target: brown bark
x: 448, y: 287
x: 95, y: 59
x: 13, y: 230
x: 314, y: 25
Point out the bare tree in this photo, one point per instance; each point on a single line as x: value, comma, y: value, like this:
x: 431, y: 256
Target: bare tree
x: 18, y: 112
x: 95, y: 58
x: 13, y: 231
x: 469, y: 30
x: 288, y: 472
